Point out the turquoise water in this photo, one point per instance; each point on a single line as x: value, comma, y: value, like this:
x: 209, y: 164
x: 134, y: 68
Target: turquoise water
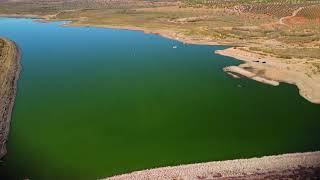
x: 96, y: 102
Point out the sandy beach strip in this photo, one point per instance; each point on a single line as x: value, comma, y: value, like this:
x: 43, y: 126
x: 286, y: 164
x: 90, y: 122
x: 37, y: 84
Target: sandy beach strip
x: 286, y: 166
x: 241, y: 71
x: 10, y: 70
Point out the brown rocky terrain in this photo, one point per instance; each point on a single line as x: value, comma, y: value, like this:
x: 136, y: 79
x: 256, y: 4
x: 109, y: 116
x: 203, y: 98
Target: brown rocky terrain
x: 9, y: 74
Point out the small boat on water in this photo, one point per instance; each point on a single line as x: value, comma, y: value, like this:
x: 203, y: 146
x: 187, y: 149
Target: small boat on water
x: 174, y: 47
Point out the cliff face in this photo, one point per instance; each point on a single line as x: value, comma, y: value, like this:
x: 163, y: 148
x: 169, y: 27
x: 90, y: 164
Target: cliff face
x: 9, y: 74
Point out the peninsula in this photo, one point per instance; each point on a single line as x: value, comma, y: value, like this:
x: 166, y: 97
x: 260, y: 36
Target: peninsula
x: 9, y: 74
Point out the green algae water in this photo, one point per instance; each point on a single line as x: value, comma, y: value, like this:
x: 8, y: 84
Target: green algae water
x: 96, y: 102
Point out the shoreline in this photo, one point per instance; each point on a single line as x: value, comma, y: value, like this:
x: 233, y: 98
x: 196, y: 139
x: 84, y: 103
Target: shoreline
x: 169, y: 34
x: 307, y: 88
x: 234, y: 71
x: 8, y: 100
x: 286, y: 166
x: 275, y: 69
x: 295, y: 163
x: 272, y: 70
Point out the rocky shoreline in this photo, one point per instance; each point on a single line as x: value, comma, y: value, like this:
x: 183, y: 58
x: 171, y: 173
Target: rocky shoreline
x: 285, y: 166
x: 10, y: 70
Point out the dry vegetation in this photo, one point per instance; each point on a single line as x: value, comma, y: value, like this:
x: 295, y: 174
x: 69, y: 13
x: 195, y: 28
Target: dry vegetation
x: 239, y: 22
x: 310, y: 12
x: 43, y: 7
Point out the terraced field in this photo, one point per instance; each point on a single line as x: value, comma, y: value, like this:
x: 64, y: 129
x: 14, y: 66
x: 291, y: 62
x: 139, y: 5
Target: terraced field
x: 310, y: 12
x: 278, y: 10
x: 47, y: 7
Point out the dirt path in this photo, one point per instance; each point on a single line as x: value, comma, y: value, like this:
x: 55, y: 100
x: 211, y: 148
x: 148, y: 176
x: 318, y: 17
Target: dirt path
x: 282, y: 20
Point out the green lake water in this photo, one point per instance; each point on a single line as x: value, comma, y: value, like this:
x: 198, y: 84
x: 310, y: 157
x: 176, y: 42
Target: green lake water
x: 96, y: 102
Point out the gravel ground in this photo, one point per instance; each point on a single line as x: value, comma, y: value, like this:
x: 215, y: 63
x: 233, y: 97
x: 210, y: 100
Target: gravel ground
x: 286, y: 166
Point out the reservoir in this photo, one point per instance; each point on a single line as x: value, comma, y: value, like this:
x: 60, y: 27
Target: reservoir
x: 97, y: 102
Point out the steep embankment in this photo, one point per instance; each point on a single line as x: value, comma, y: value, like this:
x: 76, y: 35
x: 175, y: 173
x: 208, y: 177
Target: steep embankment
x: 286, y: 166
x: 9, y: 74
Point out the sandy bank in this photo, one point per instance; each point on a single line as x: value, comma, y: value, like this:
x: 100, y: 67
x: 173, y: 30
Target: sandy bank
x: 9, y: 74
x: 166, y: 33
x: 292, y: 71
x: 292, y: 166
x: 248, y: 74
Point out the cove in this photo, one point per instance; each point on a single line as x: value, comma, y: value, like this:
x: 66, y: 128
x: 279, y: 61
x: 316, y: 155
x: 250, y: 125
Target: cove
x: 96, y: 102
